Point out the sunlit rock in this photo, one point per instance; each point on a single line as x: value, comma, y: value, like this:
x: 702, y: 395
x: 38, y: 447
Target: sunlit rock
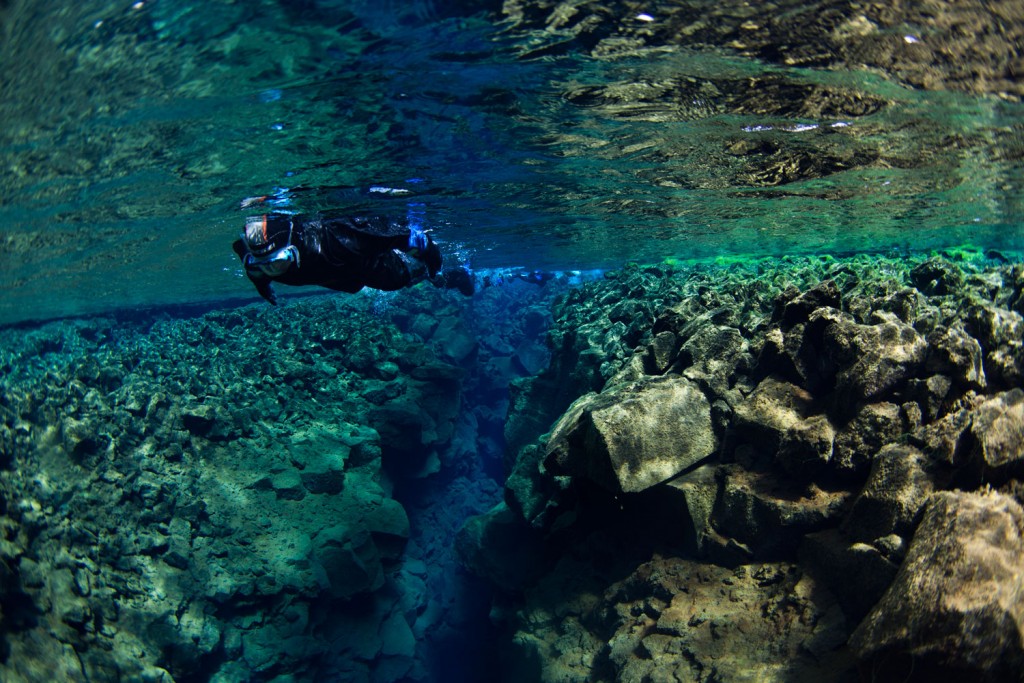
x: 635, y: 436
x: 997, y: 429
x: 770, y: 514
x: 894, y: 495
x: 769, y: 412
x: 956, y: 603
x: 856, y: 443
x: 951, y: 351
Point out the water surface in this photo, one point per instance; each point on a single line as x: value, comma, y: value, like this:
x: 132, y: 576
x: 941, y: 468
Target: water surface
x: 538, y: 135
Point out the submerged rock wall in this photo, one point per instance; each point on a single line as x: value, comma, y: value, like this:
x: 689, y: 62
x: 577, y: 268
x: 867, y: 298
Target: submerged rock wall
x: 254, y: 494
x: 791, y: 470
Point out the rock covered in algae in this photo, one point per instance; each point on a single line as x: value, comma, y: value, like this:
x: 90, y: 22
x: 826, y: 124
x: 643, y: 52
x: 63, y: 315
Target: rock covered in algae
x: 633, y: 437
x: 213, y: 498
x: 857, y: 392
x: 957, y: 603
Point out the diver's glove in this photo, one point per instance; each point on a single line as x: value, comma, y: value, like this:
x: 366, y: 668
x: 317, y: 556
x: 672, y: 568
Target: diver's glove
x: 458, y: 278
x: 426, y: 250
x: 265, y: 290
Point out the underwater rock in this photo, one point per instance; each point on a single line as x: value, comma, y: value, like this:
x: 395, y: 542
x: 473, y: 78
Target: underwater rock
x: 955, y: 604
x: 531, y: 357
x: 698, y: 491
x: 675, y: 619
x: 81, y: 437
x: 347, y: 561
x: 531, y: 493
x: 769, y: 514
x: 769, y: 412
x: 857, y: 573
x: 930, y: 394
x: 807, y: 447
x: 997, y: 428
x: 662, y: 351
x: 388, y: 524
x: 713, y: 355
x: 894, y: 495
x: 1001, y: 335
x: 499, y: 547
x: 937, y: 277
x: 952, y: 352
x: 633, y: 436
x: 873, y: 360
x: 873, y: 426
x: 454, y: 340
x: 794, y: 307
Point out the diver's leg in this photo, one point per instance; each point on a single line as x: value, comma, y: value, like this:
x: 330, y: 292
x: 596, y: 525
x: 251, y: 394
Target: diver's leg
x: 394, y: 270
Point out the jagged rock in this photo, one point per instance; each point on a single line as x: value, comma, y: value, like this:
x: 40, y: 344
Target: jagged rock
x: 956, y: 603
x: 930, y: 394
x: 662, y: 351
x: 498, y: 546
x: 81, y: 437
x: 634, y: 436
x: 806, y: 447
x: 290, y: 485
x: 873, y: 360
x: 792, y: 310
x: 937, y: 277
x: 997, y: 428
x: 771, y: 515
x: 1001, y: 334
x: 672, y: 619
x: 713, y: 355
x: 530, y: 493
x: 328, y: 480
x: 531, y: 357
x: 951, y: 351
x: 388, y: 524
x: 858, y: 573
x: 695, y: 492
x: 208, y: 421
x: 771, y: 410
x: 796, y: 350
x: 874, y: 425
x: 347, y: 561
x: 894, y: 495
x: 454, y: 340
x: 179, y: 543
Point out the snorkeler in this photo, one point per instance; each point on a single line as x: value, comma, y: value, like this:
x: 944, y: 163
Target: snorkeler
x: 344, y: 253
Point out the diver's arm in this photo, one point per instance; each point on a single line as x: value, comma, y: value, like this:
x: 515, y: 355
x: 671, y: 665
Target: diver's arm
x: 264, y: 288
x: 261, y: 281
x: 422, y: 248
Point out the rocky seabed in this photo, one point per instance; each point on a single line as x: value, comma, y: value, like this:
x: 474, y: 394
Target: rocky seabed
x: 806, y: 469
x: 794, y: 469
x: 217, y: 498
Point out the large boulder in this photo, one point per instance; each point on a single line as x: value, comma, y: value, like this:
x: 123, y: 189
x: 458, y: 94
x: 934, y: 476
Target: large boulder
x: 873, y: 360
x: 891, y: 500
x: 633, y: 436
x: 997, y: 428
x: 498, y: 546
x: 769, y: 515
x: 873, y: 426
x: 957, y: 603
x: 951, y: 351
x: 769, y: 412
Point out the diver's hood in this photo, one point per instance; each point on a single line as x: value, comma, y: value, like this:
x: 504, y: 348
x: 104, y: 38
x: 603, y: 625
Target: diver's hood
x: 268, y: 233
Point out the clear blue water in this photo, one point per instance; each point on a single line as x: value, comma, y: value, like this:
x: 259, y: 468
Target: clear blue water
x: 567, y: 136
x: 537, y: 136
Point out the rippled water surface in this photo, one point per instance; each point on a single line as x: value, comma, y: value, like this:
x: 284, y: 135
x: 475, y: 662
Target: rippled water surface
x: 569, y: 135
